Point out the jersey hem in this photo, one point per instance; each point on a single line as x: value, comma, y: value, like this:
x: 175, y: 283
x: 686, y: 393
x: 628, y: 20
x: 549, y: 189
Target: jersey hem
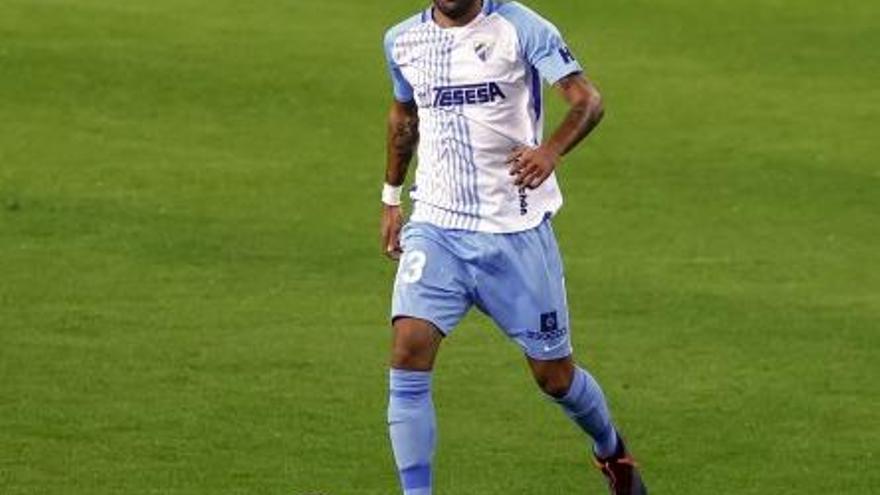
x: 485, y: 225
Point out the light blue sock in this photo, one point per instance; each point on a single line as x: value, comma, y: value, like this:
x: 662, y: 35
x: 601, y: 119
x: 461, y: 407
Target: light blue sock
x: 412, y: 425
x: 585, y: 404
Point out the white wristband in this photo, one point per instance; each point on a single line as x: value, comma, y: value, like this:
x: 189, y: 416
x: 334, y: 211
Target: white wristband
x: 391, y: 194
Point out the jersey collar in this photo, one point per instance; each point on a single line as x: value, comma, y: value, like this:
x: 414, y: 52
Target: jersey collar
x: 489, y: 6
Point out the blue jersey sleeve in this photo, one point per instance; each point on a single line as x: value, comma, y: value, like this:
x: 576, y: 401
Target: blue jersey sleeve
x: 541, y: 43
x: 403, y: 90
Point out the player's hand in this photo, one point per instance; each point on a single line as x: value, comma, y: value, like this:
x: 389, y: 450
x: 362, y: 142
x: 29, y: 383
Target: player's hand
x: 532, y: 166
x: 392, y: 220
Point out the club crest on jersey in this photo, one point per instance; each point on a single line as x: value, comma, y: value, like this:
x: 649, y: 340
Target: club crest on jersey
x: 467, y: 94
x: 483, y: 49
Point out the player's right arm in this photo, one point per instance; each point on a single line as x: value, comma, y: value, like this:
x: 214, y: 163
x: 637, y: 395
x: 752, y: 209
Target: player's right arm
x: 402, y: 140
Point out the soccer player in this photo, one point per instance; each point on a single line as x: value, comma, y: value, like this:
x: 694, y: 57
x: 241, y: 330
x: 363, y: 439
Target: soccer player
x: 467, y: 78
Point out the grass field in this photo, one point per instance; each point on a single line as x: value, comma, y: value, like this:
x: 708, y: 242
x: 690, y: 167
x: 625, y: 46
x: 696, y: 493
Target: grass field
x: 192, y: 299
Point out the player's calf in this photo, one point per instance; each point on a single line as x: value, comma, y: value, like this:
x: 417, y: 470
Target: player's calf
x: 412, y: 426
x: 581, y: 398
x: 411, y: 417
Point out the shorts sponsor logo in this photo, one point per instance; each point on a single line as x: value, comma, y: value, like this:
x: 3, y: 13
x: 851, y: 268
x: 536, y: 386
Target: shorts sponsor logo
x: 549, y: 322
x: 549, y: 329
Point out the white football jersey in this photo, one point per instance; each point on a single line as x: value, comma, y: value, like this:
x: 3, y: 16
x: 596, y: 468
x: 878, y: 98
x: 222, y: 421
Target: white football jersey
x: 478, y: 90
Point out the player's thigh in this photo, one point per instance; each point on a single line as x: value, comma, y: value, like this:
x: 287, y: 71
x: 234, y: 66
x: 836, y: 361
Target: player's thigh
x: 526, y: 296
x: 432, y: 282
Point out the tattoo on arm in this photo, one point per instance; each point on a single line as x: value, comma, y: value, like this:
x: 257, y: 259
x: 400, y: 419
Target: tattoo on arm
x: 403, y: 137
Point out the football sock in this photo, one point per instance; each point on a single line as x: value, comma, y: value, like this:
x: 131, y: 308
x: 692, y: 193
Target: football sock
x: 411, y: 425
x: 585, y: 404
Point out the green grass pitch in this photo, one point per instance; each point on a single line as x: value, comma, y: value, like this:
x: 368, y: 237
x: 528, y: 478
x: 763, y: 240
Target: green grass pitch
x: 192, y: 299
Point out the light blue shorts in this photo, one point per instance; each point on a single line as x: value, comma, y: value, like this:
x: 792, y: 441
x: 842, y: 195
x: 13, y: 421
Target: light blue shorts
x: 516, y: 279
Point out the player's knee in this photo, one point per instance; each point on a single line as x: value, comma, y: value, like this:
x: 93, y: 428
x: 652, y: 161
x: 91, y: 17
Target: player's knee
x: 415, y: 345
x: 554, y: 386
x: 554, y: 379
x: 406, y: 356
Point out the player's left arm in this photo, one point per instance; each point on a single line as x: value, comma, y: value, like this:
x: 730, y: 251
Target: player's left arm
x: 532, y: 166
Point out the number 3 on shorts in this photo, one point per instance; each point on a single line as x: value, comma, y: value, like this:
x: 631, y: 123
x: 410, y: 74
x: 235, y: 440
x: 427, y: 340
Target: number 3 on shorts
x: 412, y: 265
